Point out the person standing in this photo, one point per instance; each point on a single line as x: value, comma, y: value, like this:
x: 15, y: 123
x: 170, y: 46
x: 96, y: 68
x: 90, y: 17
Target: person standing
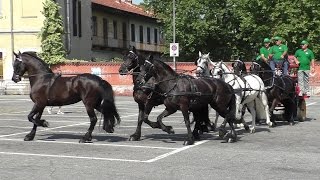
x: 49, y: 109
x: 279, y: 53
x: 305, y: 58
x: 264, y: 51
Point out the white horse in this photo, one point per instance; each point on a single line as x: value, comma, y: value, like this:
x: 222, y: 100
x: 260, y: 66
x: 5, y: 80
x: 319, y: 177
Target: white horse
x: 249, y: 89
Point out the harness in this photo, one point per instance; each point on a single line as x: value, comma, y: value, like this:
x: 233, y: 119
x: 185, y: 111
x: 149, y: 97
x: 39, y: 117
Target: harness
x: 53, y: 79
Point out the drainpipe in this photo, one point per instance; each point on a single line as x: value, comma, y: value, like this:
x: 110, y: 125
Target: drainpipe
x: 11, y: 29
x: 68, y: 42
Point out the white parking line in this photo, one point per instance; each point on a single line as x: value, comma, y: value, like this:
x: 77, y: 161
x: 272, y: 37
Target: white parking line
x: 71, y: 157
x: 91, y: 144
x: 311, y: 104
x: 175, y: 151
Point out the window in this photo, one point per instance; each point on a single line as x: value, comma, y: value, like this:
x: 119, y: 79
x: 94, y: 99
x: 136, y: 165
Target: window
x: 141, y: 33
x: 156, y: 36
x: 79, y: 18
x: 115, y: 30
x: 94, y: 26
x: 124, y: 31
x: 105, y: 28
x: 133, y: 33
x: 148, y: 35
x: 1, y: 55
x: 74, y: 18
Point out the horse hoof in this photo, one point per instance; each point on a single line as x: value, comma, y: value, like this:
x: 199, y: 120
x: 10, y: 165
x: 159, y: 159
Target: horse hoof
x: 270, y: 124
x: 170, y: 130
x: 222, y: 133
x: 291, y: 123
x: 45, y: 123
x: 230, y: 140
x: 28, y: 138
x: 85, y: 141
x: 188, y: 142
x: 253, y: 130
x: 246, y: 127
x: 134, y: 138
x: 196, y: 137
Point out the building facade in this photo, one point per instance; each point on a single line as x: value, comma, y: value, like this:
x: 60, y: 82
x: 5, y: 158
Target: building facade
x: 94, y: 29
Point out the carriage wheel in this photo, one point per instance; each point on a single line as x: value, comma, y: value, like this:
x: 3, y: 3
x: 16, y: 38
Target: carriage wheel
x: 302, y: 110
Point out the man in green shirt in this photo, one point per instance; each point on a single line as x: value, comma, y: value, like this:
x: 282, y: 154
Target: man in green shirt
x: 264, y: 51
x: 279, y: 54
x: 305, y: 58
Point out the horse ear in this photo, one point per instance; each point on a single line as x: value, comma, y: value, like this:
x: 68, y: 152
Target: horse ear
x: 200, y: 54
x: 134, y: 49
x: 15, y: 54
x: 150, y: 58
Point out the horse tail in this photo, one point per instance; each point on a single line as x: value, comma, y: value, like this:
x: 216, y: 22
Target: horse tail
x: 108, y: 107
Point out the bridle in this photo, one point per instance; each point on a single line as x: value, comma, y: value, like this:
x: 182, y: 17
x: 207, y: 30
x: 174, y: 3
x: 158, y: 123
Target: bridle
x: 135, y: 59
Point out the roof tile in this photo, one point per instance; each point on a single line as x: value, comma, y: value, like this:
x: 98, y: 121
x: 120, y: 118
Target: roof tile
x: 124, y: 6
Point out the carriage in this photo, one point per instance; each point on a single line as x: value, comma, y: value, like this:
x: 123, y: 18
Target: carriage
x: 299, y: 110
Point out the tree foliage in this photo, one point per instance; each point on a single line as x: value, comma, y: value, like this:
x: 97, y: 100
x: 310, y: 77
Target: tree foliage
x: 228, y: 28
x: 51, y: 34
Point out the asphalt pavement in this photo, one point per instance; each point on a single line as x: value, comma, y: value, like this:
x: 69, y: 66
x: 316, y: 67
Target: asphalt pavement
x: 282, y: 152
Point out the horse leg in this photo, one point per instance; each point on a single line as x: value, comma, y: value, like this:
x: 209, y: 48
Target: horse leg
x: 252, y: 109
x: 264, y: 101
x: 232, y: 136
x: 143, y: 110
x: 36, y: 122
x: 190, y: 139
x: 165, y: 113
x: 137, y: 134
x: 274, y: 103
x: 147, y: 110
x: 93, y: 120
x: 216, y: 121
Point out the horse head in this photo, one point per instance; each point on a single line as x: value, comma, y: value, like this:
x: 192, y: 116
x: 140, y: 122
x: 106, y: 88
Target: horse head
x: 202, y: 64
x: 130, y: 61
x: 19, y: 67
x: 218, y: 70
x: 239, y: 67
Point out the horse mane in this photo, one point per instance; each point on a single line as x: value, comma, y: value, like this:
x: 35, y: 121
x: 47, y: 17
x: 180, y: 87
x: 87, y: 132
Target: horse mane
x: 166, y: 67
x: 34, y: 55
x: 265, y: 65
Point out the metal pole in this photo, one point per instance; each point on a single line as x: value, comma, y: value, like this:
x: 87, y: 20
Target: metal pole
x: 174, y: 31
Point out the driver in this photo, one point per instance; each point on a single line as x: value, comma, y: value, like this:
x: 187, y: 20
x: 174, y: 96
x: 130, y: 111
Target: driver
x: 264, y: 51
x: 279, y: 54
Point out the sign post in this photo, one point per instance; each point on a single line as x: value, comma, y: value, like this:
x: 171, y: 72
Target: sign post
x: 174, y: 34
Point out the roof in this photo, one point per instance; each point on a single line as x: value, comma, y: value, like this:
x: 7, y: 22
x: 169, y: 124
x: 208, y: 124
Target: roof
x: 123, y: 6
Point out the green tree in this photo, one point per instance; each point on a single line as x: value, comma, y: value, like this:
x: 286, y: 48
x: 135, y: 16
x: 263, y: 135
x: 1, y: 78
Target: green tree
x: 205, y: 25
x: 53, y: 51
x: 227, y: 28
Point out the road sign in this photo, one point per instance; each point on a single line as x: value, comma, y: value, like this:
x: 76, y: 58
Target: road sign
x: 174, y: 49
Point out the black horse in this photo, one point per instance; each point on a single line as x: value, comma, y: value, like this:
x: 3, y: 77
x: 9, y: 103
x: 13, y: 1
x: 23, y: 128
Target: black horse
x: 131, y: 65
x: 50, y: 89
x: 189, y: 94
x: 279, y: 89
x: 239, y: 67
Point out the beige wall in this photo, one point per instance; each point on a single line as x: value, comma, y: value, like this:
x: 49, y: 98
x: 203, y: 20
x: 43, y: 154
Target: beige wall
x: 27, y: 22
